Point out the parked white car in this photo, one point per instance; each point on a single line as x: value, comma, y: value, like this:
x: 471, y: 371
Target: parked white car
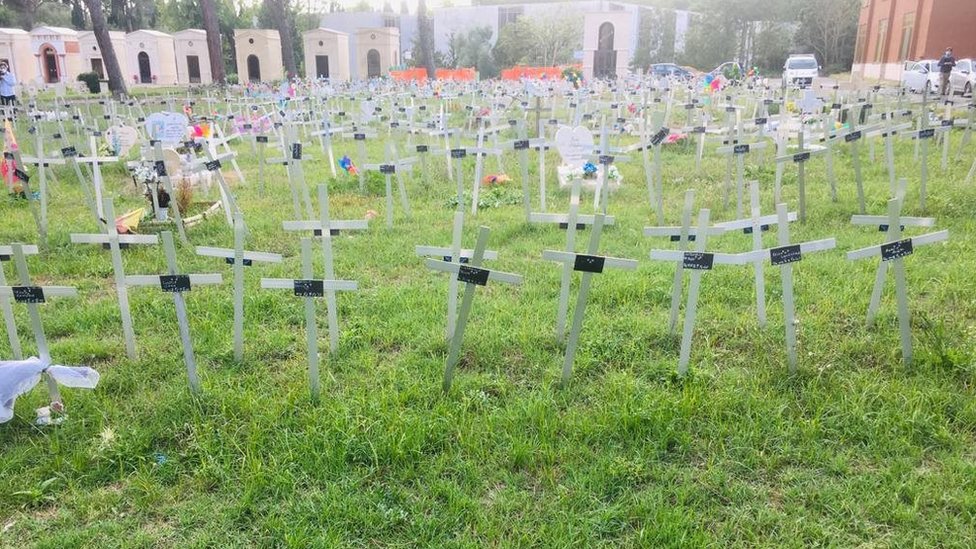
x: 963, y: 77
x: 917, y: 75
x: 800, y: 70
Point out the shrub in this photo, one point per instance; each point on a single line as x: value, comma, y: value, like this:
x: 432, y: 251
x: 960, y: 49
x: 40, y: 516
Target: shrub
x: 91, y: 79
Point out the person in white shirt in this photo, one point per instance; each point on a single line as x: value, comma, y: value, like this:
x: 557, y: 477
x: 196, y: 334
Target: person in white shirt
x: 7, y: 83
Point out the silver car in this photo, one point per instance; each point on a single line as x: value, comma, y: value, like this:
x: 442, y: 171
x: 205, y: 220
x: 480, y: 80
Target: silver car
x: 917, y: 76
x: 963, y: 77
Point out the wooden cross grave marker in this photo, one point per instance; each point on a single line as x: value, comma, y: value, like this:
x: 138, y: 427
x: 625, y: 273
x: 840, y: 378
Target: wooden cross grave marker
x: 31, y: 296
x: 473, y: 275
x: 310, y: 288
x: 755, y: 225
x: 326, y: 228
x: 683, y: 235
x: 521, y: 146
x: 96, y: 171
x: 114, y: 242
x: 176, y: 284
x: 588, y: 264
x: 360, y: 136
x: 7, y: 254
x: 783, y: 256
x: 800, y: 158
x: 43, y: 162
x: 454, y: 254
x: 239, y: 258
x: 24, y: 178
x: 393, y: 167
x: 698, y: 262
x: 739, y: 150
x: 893, y: 251
x: 213, y: 164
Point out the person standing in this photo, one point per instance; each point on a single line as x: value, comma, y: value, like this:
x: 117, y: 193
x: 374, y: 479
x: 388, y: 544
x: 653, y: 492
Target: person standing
x: 946, y: 63
x: 7, y: 83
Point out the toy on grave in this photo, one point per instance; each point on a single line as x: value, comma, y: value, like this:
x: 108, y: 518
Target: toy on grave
x: 127, y: 223
x: 495, y: 179
x: 18, y: 377
x: 346, y: 164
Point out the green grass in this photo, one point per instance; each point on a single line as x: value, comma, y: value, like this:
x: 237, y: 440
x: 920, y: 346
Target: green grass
x: 855, y: 449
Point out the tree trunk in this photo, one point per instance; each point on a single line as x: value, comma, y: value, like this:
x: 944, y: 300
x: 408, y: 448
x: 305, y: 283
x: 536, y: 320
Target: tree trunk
x: 425, y: 37
x: 213, y: 41
x: 279, y: 16
x: 116, y: 84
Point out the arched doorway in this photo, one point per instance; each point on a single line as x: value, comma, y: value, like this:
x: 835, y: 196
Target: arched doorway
x: 373, y: 64
x: 605, y: 58
x: 253, y: 68
x: 145, y: 71
x: 49, y: 62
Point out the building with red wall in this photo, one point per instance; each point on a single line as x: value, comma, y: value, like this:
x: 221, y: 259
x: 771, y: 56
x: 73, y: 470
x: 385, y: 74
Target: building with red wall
x: 890, y: 32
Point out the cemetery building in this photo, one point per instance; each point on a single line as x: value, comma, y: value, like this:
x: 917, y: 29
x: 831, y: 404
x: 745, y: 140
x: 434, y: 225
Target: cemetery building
x: 607, y: 43
x: 456, y: 20
x: 15, y: 50
x: 150, y: 57
x: 326, y: 54
x: 56, y: 52
x: 258, y: 55
x: 192, y: 57
x: 91, y: 54
x: 378, y: 50
x: 891, y: 32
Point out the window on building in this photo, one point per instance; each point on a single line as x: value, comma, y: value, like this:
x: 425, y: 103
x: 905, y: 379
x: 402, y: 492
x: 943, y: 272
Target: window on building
x: 862, y: 44
x: 907, y: 33
x: 509, y: 14
x: 882, y: 43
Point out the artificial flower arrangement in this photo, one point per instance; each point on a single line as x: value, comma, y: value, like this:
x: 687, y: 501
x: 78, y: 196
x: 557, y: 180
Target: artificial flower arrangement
x: 589, y: 171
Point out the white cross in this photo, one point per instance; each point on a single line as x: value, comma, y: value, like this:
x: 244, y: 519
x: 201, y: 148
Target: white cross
x: 115, y: 242
x: 784, y: 255
x: 360, y: 136
x: 310, y: 288
x: 472, y: 275
x: 800, y: 158
x: 739, y: 150
x: 326, y: 228
x: 588, y: 264
x: 24, y: 179
x: 175, y: 283
x: 43, y: 163
x: 239, y: 258
x: 698, y: 261
x: 32, y: 296
x: 7, y: 254
x: 393, y: 167
x: 213, y: 165
x: 454, y: 254
x: 894, y: 250
x: 521, y: 146
x: 96, y: 162
x: 755, y: 225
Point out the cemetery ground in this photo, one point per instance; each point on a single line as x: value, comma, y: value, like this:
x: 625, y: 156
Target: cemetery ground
x: 853, y: 449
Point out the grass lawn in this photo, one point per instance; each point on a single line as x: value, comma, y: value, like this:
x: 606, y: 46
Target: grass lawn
x: 855, y: 449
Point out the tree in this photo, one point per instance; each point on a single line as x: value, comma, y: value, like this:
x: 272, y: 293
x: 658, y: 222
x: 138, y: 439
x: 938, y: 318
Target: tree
x: 278, y: 11
x: 116, y: 84
x: 210, y: 25
x: 545, y: 42
x: 829, y: 28
x: 473, y: 49
x: 424, y: 47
